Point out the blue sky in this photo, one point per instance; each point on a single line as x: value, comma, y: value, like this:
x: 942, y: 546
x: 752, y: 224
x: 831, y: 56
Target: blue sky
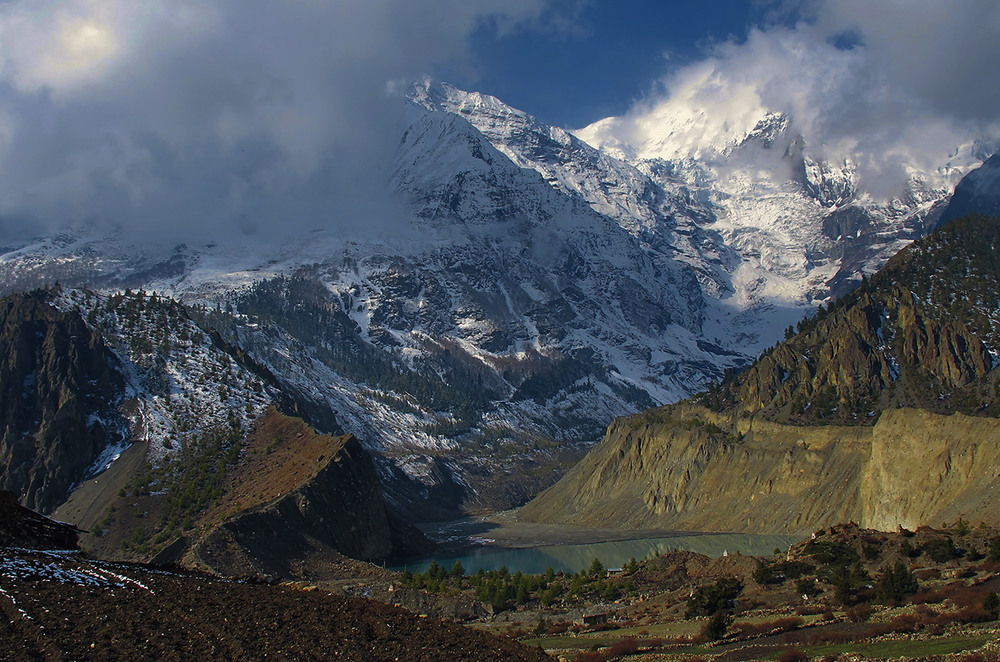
x: 601, y: 58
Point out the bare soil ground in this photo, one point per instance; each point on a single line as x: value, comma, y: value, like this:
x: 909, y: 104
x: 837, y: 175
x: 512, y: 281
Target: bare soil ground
x: 60, y: 606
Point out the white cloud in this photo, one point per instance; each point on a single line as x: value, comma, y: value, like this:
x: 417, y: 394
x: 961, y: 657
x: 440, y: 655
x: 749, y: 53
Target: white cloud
x: 195, y: 114
x: 889, y: 84
x: 941, y: 54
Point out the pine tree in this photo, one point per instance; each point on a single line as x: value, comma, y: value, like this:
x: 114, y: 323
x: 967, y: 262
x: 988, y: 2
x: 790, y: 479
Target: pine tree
x: 896, y: 584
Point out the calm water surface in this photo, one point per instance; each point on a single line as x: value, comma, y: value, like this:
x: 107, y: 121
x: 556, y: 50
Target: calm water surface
x: 573, y: 558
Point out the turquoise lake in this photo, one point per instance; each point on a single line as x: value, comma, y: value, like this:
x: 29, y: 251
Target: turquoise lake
x: 573, y: 558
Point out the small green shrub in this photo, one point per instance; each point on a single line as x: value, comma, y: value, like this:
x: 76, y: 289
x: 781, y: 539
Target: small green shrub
x: 896, y: 583
x: 717, y: 626
x: 709, y: 600
x: 941, y: 550
x: 807, y: 586
x: 994, y: 553
x: 832, y: 553
x: 991, y: 604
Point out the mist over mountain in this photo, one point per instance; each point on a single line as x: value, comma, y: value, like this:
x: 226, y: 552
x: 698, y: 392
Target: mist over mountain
x: 539, y: 287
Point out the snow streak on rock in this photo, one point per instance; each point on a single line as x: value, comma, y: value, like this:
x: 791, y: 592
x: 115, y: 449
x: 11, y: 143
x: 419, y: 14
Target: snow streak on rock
x: 540, y: 284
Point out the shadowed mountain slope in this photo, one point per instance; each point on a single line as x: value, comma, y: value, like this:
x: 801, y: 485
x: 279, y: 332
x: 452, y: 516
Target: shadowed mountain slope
x: 285, y: 502
x: 60, y: 386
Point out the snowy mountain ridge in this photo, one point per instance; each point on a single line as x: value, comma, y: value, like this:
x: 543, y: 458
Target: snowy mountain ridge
x: 805, y: 225
x: 540, y: 287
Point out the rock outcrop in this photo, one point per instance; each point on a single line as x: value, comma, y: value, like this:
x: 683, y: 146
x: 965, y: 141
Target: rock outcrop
x: 687, y: 468
x: 59, y: 389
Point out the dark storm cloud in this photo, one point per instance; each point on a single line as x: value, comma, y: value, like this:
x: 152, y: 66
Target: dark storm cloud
x: 188, y: 116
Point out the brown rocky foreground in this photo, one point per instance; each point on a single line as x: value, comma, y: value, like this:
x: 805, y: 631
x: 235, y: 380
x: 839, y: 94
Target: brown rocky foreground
x: 61, y: 606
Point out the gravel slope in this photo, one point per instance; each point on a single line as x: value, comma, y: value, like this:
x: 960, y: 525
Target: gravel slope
x: 60, y: 606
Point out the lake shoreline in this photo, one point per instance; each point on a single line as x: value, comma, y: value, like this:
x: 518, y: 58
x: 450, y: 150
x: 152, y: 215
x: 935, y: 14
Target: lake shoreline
x: 504, y: 530
x: 501, y: 540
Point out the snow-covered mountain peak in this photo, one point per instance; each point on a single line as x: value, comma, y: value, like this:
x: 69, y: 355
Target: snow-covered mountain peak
x: 536, y: 284
x: 434, y: 95
x: 700, y: 140
x: 805, y: 218
x: 680, y: 130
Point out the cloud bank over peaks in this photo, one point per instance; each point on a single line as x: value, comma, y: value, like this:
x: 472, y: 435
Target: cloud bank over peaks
x: 889, y: 88
x: 187, y: 117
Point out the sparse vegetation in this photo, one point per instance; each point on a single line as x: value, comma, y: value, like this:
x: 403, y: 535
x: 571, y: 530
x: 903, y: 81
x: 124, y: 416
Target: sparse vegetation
x: 946, y: 283
x: 503, y: 590
x: 780, y: 571
x: 882, y: 607
x: 709, y: 600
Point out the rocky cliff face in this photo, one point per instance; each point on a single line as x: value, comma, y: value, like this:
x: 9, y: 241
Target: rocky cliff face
x: 926, y: 468
x: 923, y: 333
x: 59, y: 389
x: 884, y: 350
x: 865, y: 414
x: 686, y: 468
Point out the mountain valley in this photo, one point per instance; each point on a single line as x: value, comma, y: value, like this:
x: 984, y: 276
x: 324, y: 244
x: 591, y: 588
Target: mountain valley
x: 540, y: 287
x: 538, y: 330
x: 287, y: 412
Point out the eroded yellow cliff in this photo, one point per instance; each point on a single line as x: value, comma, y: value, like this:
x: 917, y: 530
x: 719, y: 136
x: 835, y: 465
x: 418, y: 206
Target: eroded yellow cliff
x: 687, y: 468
